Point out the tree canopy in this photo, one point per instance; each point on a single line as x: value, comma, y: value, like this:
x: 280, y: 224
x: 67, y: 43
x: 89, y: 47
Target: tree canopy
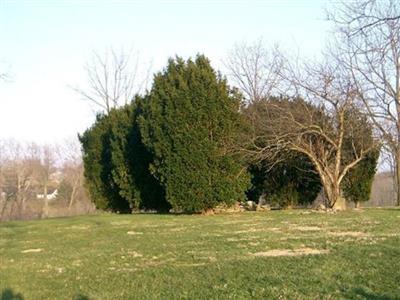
x: 117, y: 163
x: 189, y: 119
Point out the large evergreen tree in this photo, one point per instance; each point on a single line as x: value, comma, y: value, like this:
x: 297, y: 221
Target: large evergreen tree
x: 190, y: 117
x: 97, y: 159
x: 358, y: 182
x: 286, y: 184
x: 117, y: 163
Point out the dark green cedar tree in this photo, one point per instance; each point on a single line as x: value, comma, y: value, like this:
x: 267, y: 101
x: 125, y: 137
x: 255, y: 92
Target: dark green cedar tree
x: 189, y: 119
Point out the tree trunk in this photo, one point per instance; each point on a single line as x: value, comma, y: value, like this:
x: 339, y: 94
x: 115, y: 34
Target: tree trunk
x: 12, y: 209
x: 340, y: 203
x: 397, y: 178
x: 23, y: 204
x: 3, y: 209
x: 72, y: 197
x: 334, y: 195
x: 18, y: 197
x: 46, y: 202
x: 357, y: 204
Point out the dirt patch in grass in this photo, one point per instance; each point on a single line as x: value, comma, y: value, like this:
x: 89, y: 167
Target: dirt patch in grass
x: 371, y: 223
x: 119, y: 223
x: 236, y: 239
x: 123, y: 270
x: 234, y: 222
x: 134, y: 233
x: 391, y: 234
x: 350, y: 233
x: 211, y: 235
x: 134, y: 254
x: 80, y: 227
x: 249, y: 230
x: 32, y: 250
x: 290, y: 252
x: 307, y: 228
x: 191, y: 264
x: 177, y: 229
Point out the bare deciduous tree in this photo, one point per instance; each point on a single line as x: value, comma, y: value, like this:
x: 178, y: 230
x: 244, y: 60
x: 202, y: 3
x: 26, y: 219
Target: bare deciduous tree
x: 358, y: 17
x: 30, y: 172
x: 318, y: 131
x: 369, y: 48
x: 72, y: 169
x: 45, y: 169
x: 3, y: 199
x: 254, y: 69
x: 113, y: 79
x: 18, y: 175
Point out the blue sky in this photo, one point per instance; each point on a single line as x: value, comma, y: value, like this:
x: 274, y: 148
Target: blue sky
x: 45, y: 44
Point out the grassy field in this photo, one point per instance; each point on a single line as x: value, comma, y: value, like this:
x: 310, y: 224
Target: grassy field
x: 277, y: 254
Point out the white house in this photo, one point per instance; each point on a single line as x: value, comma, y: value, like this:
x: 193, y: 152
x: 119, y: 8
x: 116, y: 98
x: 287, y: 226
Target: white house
x: 51, y: 196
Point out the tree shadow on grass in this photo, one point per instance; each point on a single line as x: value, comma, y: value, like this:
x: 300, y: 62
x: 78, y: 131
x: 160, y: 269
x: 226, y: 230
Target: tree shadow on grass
x: 81, y: 297
x: 8, y: 294
x: 370, y: 296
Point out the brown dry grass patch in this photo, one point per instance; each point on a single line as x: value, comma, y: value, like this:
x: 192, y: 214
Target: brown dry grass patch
x: 290, y: 252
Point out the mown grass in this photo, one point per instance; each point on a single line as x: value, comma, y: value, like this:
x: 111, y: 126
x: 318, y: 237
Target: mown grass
x: 204, y: 257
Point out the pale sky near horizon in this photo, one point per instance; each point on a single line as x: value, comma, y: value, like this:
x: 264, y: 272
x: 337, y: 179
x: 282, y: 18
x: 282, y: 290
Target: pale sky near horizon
x: 45, y: 44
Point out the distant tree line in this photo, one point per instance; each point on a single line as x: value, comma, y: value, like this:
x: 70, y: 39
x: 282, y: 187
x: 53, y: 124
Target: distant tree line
x: 39, y: 181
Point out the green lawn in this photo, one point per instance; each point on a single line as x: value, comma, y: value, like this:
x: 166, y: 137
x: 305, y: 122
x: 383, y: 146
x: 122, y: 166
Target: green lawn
x: 278, y: 254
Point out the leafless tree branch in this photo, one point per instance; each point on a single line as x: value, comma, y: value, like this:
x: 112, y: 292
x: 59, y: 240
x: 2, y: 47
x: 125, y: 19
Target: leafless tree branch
x: 113, y: 79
